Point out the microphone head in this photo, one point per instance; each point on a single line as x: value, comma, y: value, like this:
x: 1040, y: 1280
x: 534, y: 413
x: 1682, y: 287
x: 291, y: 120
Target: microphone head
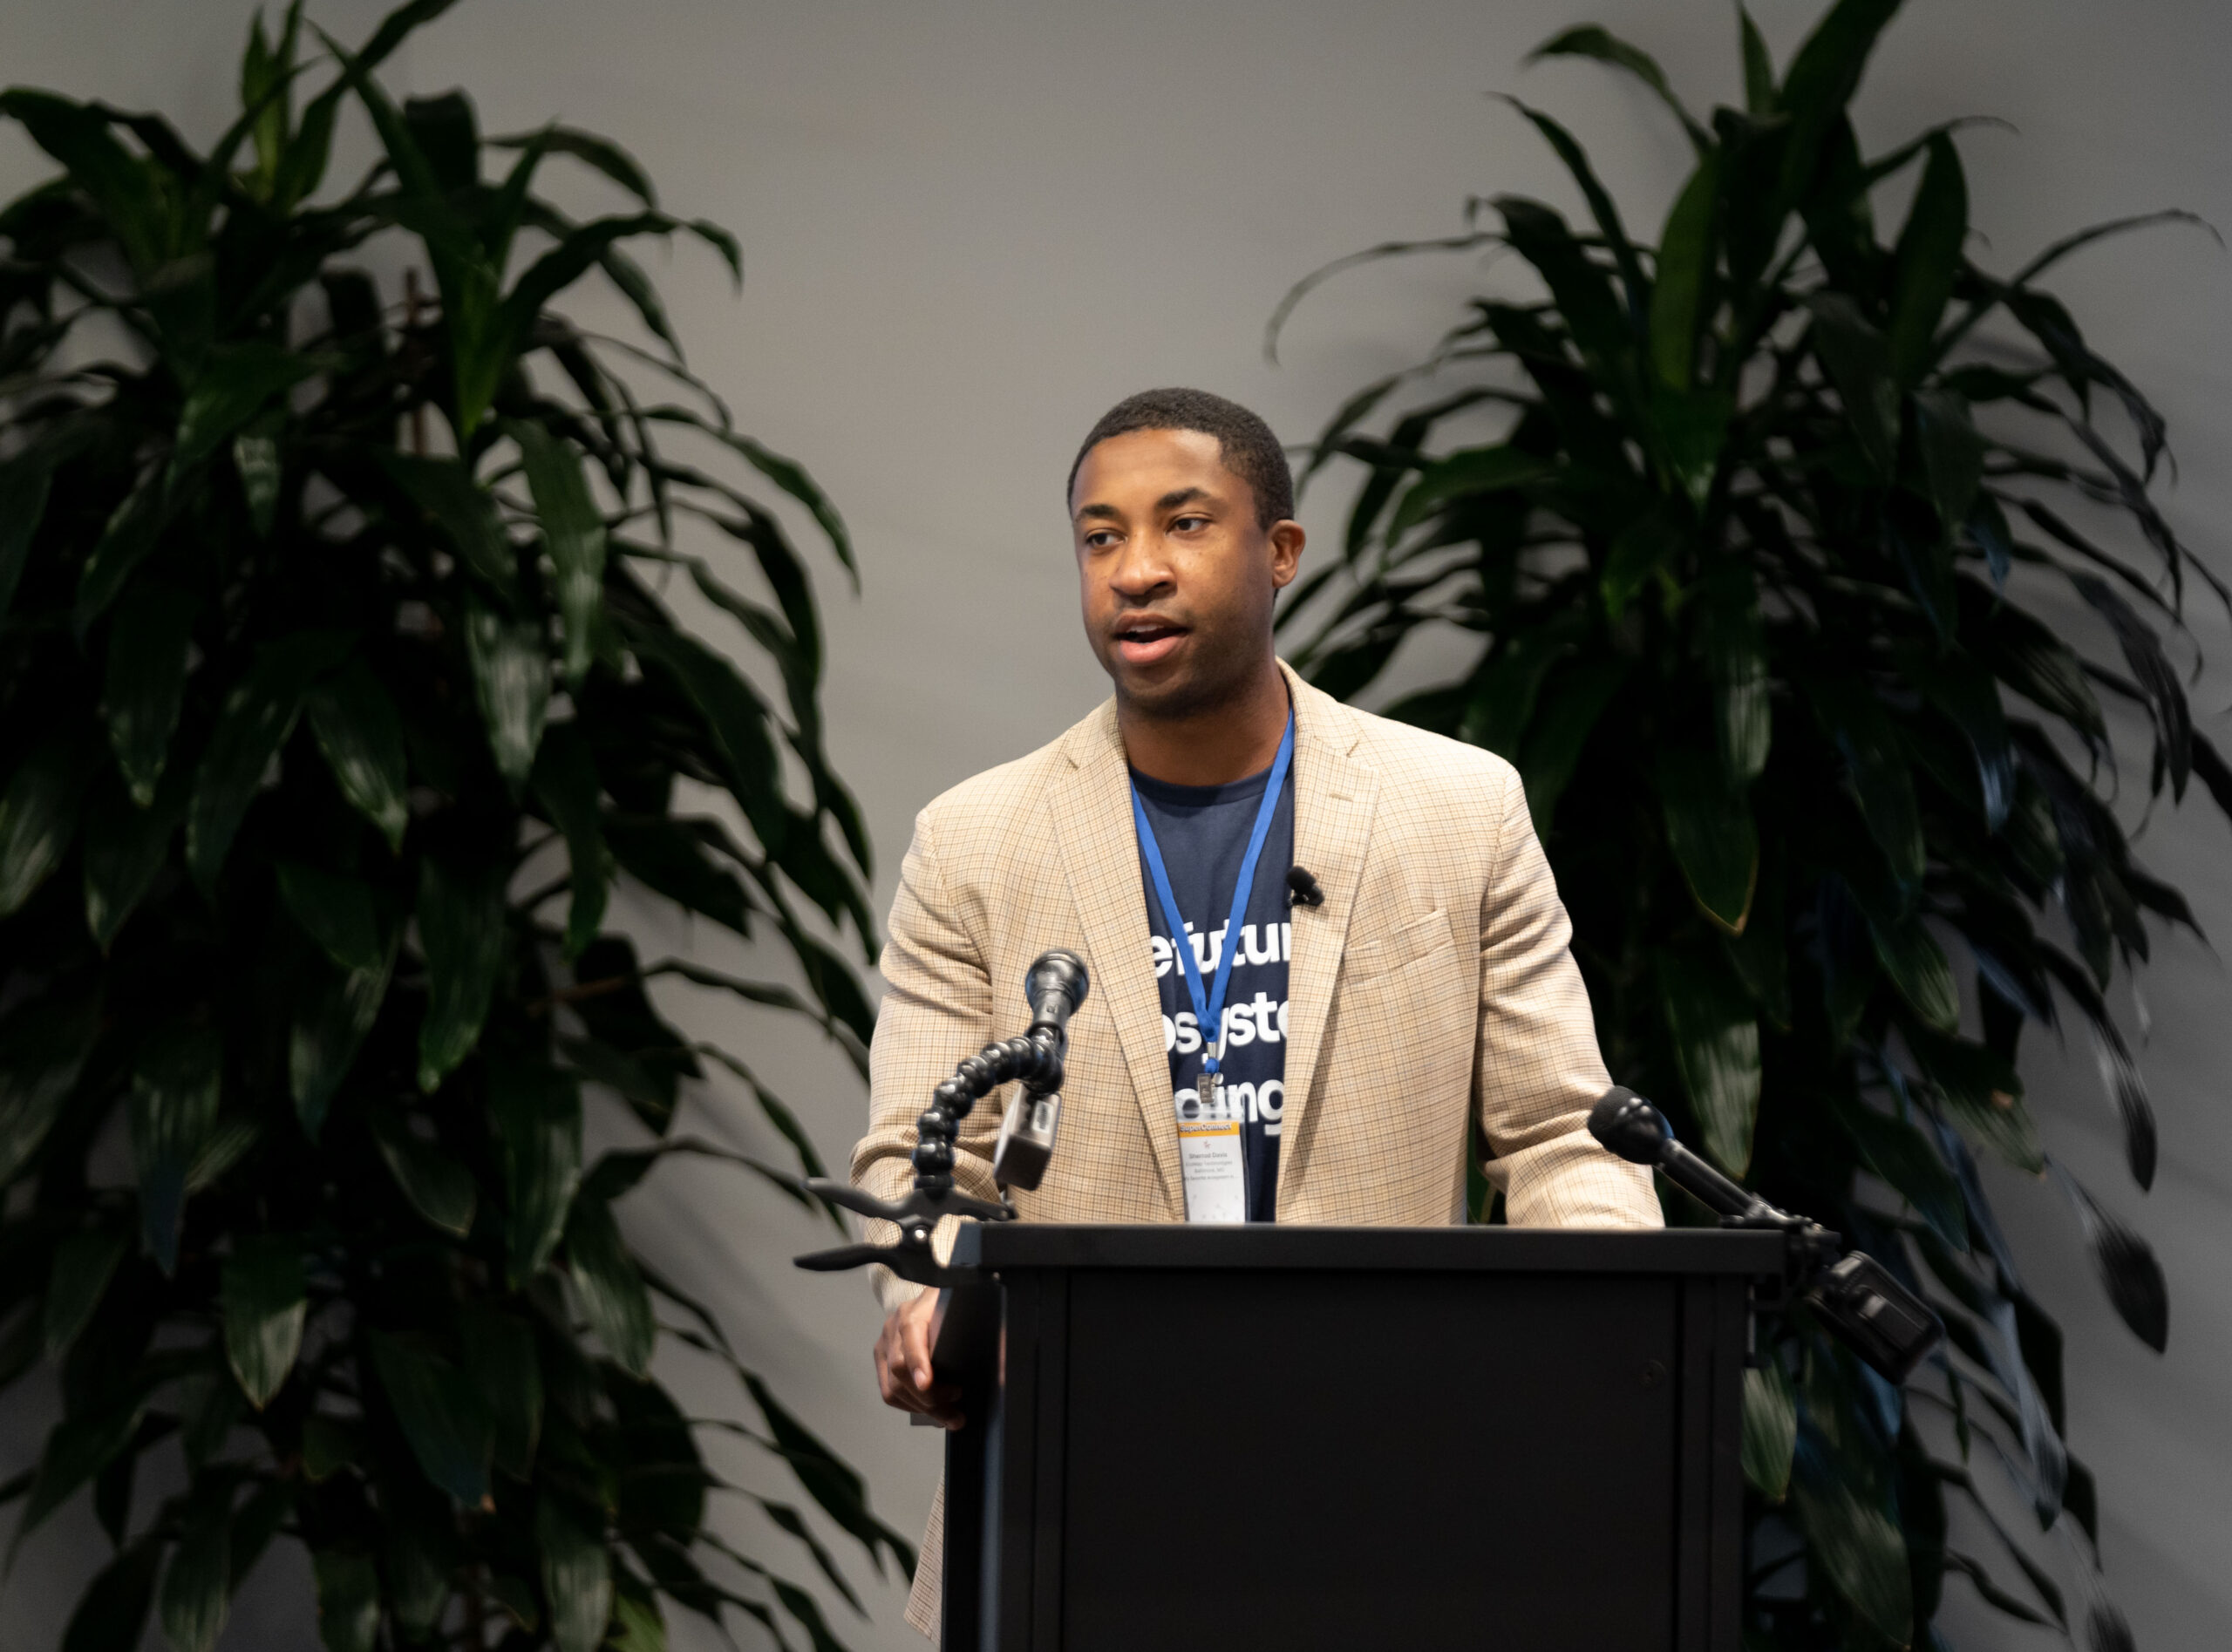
x: 1062, y: 972
x: 1630, y: 1126
x: 1304, y: 887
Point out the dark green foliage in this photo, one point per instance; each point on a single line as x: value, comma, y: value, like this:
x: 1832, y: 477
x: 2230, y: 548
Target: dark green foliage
x: 336, y: 692
x: 1753, y: 558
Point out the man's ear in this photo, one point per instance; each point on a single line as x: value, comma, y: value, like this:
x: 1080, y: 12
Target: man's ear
x: 1287, y: 540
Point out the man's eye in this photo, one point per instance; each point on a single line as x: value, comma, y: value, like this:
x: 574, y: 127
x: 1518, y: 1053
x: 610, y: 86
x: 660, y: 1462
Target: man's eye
x: 1189, y: 524
x: 1100, y: 539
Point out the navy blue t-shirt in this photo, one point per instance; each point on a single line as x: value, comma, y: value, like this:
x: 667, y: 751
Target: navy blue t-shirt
x: 1203, y: 833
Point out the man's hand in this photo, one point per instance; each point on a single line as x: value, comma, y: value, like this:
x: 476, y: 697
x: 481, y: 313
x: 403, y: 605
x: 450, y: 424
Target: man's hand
x: 903, y: 1364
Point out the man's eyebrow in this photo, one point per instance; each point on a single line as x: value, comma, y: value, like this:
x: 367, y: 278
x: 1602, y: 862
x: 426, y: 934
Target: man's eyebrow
x: 1106, y: 511
x: 1171, y: 501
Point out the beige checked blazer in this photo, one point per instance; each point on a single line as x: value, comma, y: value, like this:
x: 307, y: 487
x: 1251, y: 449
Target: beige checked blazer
x: 1432, y: 988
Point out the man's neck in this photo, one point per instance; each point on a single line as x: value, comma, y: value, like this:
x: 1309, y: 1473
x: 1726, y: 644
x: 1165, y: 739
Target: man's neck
x: 1229, y: 741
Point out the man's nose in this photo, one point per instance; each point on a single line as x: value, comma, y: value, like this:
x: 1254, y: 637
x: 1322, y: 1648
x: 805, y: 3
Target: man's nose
x: 1141, y: 568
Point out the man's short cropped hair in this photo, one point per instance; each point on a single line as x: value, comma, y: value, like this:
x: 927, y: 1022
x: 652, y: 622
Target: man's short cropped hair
x: 1244, y: 441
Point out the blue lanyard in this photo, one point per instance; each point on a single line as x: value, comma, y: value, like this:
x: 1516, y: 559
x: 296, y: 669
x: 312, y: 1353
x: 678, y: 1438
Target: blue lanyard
x: 1209, y: 1010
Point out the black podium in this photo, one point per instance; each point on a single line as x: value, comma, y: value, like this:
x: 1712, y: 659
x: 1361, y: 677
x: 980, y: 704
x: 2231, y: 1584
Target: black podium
x: 1205, y: 1439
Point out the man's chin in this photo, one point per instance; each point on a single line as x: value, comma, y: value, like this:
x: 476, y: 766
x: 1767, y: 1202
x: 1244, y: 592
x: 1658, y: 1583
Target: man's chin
x: 1167, y: 694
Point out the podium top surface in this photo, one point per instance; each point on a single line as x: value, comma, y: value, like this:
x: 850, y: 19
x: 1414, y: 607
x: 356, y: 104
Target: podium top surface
x: 1003, y: 1246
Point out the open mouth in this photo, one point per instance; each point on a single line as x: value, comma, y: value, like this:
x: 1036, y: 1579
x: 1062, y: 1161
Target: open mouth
x: 1144, y: 641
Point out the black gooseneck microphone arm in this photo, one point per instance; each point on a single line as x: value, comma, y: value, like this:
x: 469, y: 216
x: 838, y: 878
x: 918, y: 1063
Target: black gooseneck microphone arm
x: 1055, y: 986
x: 1864, y: 1306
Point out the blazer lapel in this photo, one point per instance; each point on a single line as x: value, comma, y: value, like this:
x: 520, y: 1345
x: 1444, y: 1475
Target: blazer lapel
x: 1093, y: 820
x: 1333, y: 799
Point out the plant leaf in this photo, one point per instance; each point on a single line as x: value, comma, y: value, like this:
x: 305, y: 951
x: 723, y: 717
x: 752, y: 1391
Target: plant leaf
x: 1861, y: 1551
x: 43, y: 1045
x: 576, y: 1577
x: 175, y: 1085
x: 1732, y: 638
x: 1475, y: 470
x: 1877, y: 764
x: 462, y: 927
x: 612, y: 1296
x: 255, y: 457
x: 791, y: 476
x: 537, y: 1115
x: 335, y: 911
x: 1928, y: 260
x: 112, y: 1615
x: 347, y: 1601
x: 1593, y: 40
x: 445, y: 490
x: 601, y: 154
x: 265, y: 1301
x: 2134, y: 1111
x: 231, y: 387
x: 1716, y: 1042
x: 511, y: 673
x: 84, y: 1262
x: 1640, y: 550
x: 572, y: 532
x: 1770, y: 1429
x: 1952, y: 454
x: 1858, y: 359
x: 417, y: 1584
x: 259, y: 714
x: 1819, y: 84
x: 361, y: 735
x: 1917, y: 966
x: 1686, y: 254
x: 500, y: 1359
x: 124, y: 847
x: 1711, y: 835
x: 146, y: 683
x: 440, y: 1189
x: 23, y: 485
x: 840, y: 1492
x: 330, y: 1445
x: 440, y: 1414
x: 1981, y: 1091
x: 76, y: 1449
x: 1902, y: 1155
x: 1555, y: 741
x: 131, y: 532
x: 566, y: 785
x: 39, y: 815
x: 2151, y: 668
x: 329, y: 1030
x: 1959, y: 686
x: 736, y: 720
x: 196, y: 1594
x: 1758, y: 67
x: 2126, y: 1266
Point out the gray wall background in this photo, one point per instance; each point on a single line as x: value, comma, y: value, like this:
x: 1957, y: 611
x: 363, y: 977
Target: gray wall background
x: 971, y: 224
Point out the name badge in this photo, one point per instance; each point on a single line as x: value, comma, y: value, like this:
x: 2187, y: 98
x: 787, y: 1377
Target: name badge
x: 1215, y: 1170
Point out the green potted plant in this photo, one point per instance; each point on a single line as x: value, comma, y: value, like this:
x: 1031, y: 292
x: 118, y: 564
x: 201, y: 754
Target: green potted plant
x: 1754, y: 562
x: 338, y: 695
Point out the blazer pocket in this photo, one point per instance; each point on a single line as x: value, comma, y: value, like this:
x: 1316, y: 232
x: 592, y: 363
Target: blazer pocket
x: 1392, y: 949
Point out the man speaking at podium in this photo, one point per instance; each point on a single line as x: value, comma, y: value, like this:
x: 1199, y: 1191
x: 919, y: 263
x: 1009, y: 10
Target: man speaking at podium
x: 1358, y: 908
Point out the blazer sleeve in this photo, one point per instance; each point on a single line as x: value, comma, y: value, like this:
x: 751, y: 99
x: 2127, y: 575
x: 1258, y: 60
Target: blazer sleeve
x: 1540, y: 1071
x: 937, y: 1007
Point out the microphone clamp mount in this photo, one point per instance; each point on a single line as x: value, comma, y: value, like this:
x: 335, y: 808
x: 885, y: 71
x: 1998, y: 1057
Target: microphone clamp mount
x: 1055, y: 987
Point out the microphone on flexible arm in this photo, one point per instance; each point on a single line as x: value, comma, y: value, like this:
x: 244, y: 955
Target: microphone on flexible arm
x: 1861, y: 1302
x: 1054, y: 986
